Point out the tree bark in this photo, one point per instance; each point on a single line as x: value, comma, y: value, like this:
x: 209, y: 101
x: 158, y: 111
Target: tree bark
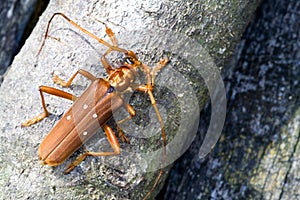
x: 146, y: 27
x: 257, y: 156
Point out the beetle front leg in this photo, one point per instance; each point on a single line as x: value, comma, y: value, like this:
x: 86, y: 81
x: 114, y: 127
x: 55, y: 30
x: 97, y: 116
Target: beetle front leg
x: 161, y: 64
x: 112, y: 139
x: 68, y: 83
x: 111, y: 35
x: 52, y: 91
x: 150, y: 74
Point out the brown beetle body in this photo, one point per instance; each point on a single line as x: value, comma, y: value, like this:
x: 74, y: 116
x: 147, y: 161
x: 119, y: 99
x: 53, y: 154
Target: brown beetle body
x: 57, y: 147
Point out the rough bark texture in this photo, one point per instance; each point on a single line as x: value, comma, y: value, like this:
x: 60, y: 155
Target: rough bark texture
x: 258, y: 154
x: 13, y: 21
x: 217, y: 26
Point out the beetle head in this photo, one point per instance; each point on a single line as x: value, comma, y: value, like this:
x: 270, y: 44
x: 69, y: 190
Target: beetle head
x: 123, y: 77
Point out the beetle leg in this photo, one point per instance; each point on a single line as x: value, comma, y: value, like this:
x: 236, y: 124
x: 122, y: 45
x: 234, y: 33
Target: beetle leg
x: 149, y: 87
x: 113, y: 39
x: 113, y: 142
x: 132, y: 113
x: 122, y: 135
x: 105, y: 64
x: 108, y: 31
x: 84, y: 73
x: 111, y: 35
x: 52, y: 91
x: 161, y: 64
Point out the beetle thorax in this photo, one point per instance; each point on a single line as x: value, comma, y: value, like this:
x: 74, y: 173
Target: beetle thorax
x: 122, y: 78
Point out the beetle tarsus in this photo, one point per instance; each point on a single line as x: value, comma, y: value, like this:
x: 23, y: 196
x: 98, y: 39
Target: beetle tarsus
x: 78, y: 160
x: 122, y: 135
x: 35, y: 120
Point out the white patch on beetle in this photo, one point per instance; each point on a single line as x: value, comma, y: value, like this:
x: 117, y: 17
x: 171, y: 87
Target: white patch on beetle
x: 68, y: 117
x: 85, y: 106
x: 85, y: 133
x: 95, y: 116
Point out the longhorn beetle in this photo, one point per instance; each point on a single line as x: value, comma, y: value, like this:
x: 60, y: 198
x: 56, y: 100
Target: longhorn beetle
x: 95, y: 106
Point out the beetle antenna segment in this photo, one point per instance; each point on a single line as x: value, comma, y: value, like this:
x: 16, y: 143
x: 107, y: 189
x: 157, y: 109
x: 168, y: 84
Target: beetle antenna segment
x: 112, y: 47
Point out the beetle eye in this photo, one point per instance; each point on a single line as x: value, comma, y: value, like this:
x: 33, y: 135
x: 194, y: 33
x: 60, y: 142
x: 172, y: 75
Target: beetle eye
x: 110, y: 89
x: 129, y: 60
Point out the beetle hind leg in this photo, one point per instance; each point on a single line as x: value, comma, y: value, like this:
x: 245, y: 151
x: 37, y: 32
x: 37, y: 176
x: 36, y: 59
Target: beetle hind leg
x: 113, y: 143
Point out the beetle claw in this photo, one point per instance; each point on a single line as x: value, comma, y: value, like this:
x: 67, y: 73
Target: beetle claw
x: 122, y: 135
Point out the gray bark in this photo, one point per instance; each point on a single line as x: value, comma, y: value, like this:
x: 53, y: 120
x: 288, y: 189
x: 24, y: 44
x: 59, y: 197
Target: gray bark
x: 144, y: 27
x: 257, y: 156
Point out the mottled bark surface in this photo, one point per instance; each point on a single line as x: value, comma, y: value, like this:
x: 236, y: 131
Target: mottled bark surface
x: 147, y: 27
x: 258, y: 154
x: 14, y: 18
